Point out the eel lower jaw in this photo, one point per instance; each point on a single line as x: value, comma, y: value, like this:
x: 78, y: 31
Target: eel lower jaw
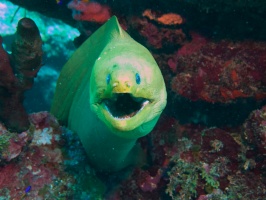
x: 124, y: 106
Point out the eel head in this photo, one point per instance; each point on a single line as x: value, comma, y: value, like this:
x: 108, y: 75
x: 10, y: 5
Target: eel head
x: 128, y: 96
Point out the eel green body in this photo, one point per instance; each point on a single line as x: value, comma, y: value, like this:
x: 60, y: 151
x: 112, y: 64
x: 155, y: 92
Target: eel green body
x: 111, y: 92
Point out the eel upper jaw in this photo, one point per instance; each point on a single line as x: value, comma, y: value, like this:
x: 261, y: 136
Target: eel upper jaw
x: 124, y: 106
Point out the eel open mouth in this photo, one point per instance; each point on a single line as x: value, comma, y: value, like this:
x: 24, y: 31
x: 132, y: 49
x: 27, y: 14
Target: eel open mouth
x: 124, y: 105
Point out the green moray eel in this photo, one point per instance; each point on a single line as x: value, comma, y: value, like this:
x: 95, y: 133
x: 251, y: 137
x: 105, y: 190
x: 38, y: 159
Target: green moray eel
x: 111, y: 92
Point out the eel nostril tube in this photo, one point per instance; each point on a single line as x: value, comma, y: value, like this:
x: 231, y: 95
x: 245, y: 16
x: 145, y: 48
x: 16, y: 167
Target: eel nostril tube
x: 127, y: 84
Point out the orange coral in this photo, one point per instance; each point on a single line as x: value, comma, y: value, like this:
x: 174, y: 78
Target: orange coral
x: 166, y: 19
x: 89, y: 11
x: 170, y: 19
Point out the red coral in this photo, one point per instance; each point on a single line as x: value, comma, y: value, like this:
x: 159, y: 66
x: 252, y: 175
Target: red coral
x: 150, y: 183
x: 15, y: 145
x: 214, y: 143
x: 89, y: 11
x: 37, y: 166
x: 194, y: 46
x: 43, y: 120
x: 9, y: 174
x: 219, y: 71
x: 156, y: 36
x: 254, y: 131
x: 6, y: 72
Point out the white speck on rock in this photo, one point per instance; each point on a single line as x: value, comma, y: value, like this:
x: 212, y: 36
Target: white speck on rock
x: 42, y: 136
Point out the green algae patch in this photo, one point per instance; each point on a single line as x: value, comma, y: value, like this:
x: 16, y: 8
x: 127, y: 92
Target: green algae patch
x: 4, y: 142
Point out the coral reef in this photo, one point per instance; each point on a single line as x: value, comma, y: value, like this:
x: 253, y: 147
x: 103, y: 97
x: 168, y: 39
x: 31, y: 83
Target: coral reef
x: 17, y: 73
x: 57, y: 47
x: 49, y: 8
x: 184, y: 162
x: 208, y: 60
x: 48, y: 159
x: 211, y: 17
x: 57, y: 36
x: 219, y: 71
x: 158, y: 33
x: 193, y: 162
x: 27, y: 162
x: 254, y: 135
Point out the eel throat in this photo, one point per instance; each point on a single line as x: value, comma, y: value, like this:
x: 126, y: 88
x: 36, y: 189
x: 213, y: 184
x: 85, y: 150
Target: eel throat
x: 124, y: 105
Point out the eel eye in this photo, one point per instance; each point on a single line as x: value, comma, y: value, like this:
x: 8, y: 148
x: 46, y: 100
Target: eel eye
x: 137, y: 78
x: 108, y: 78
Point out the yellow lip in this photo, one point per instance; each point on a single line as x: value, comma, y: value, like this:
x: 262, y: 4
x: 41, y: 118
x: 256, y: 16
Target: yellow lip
x: 121, y: 88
